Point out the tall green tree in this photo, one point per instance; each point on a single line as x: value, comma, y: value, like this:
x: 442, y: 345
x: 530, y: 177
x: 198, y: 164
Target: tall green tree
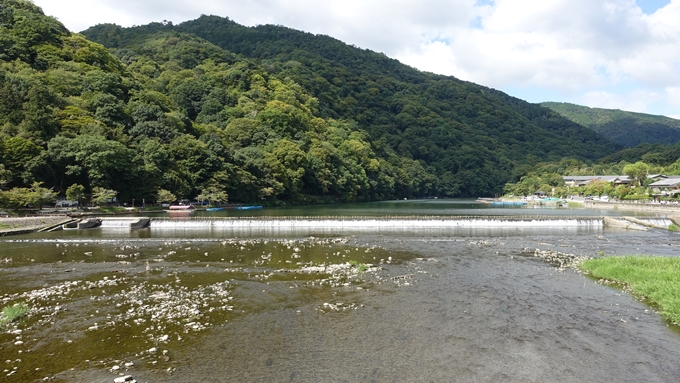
x: 102, y: 196
x: 637, y: 171
x: 104, y: 163
x: 164, y: 196
x: 75, y: 192
x: 5, y: 176
x: 34, y: 196
x: 213, y: 194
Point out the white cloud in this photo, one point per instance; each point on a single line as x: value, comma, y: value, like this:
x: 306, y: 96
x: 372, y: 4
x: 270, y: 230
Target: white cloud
x: 674, y: 96
x: 591, y: 48
x: 379, y: 25
x: 587, y: 49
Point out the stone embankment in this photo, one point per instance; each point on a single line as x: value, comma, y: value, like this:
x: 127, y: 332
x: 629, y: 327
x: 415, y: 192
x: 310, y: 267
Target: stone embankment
x: 624, y: 223
x: 672, y: 211
x: 23, y: 225
x: 650, y: 207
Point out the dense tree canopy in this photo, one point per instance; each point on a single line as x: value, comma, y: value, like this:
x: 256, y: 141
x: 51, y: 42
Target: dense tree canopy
x: 625, y: 128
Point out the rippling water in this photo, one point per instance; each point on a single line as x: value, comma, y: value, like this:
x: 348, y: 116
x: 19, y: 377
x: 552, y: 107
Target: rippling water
x: 332, y: 304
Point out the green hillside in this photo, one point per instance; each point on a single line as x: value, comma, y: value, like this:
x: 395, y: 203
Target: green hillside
x: 281, y: 115
x: 467, y: 136
x: 624, y: 128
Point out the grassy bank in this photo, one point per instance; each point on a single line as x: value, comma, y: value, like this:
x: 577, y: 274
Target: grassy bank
x: 653, y: 279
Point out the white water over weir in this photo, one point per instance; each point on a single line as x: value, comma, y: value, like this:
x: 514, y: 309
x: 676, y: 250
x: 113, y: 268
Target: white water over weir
x: 124, y: 223
x: 116, y: 223
x: 659, y: 222
x: 368, y: 223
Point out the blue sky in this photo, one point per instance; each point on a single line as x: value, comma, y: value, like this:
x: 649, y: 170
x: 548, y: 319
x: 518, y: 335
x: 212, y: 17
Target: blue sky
x: 619, y: 54
x: 651, y: 6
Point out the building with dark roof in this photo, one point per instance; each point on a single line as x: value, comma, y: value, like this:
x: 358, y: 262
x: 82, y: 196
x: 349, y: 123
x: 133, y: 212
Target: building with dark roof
x: 584, y: 180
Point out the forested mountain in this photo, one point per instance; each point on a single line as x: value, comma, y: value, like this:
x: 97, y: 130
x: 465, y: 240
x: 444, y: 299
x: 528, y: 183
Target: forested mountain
x: 258, y: 113
x: 469, y: 137
x: 628, y: 129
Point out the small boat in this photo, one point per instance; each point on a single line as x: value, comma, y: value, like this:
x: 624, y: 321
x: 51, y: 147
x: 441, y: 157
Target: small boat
x: 214, y: 209
x: 180, y: 209
x: 254, y: 207
x: 508, y: 203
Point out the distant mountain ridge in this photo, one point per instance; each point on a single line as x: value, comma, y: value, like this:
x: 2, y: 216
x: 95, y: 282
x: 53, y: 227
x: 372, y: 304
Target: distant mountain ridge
x: 628, y: 129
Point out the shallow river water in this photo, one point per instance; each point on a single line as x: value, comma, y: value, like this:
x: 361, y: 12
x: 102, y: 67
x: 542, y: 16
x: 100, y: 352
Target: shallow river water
x: 318, y: 305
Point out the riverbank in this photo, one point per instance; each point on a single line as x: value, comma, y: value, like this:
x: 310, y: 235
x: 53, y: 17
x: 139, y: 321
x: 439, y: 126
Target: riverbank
x: 672, y: 211
x: 23, y: 225
x: 652, y: 279
x: 631, y: 206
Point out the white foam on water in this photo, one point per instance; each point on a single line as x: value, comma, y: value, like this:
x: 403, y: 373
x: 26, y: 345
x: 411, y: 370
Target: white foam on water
x: 663, y: 222
x: 373, y: 224
x: 116, y: 223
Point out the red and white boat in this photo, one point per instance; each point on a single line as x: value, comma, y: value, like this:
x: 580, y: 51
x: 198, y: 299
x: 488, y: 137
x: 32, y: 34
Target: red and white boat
x: 180, y: 209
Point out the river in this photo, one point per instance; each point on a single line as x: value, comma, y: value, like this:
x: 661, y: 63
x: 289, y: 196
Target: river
x: 186, y: 303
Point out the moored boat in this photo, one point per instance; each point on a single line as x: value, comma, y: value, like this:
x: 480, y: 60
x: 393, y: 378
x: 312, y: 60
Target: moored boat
x: 508, y: 203
x: 254, y: 207
x: 180, y: 207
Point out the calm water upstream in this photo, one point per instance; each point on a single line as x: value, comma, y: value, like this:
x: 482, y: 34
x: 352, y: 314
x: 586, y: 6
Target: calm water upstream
x: 316, y: 304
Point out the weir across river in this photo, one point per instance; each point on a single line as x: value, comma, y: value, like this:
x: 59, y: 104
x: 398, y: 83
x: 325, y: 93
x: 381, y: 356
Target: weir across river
x: 374, y: 223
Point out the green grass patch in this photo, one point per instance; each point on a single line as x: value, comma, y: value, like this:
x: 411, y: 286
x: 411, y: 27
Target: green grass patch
x: 575, y: 204
x: 112, y: 209
x: 361, y: 267
x: 673, y: 227
x: 13, y: 313
x: 653, y: 279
